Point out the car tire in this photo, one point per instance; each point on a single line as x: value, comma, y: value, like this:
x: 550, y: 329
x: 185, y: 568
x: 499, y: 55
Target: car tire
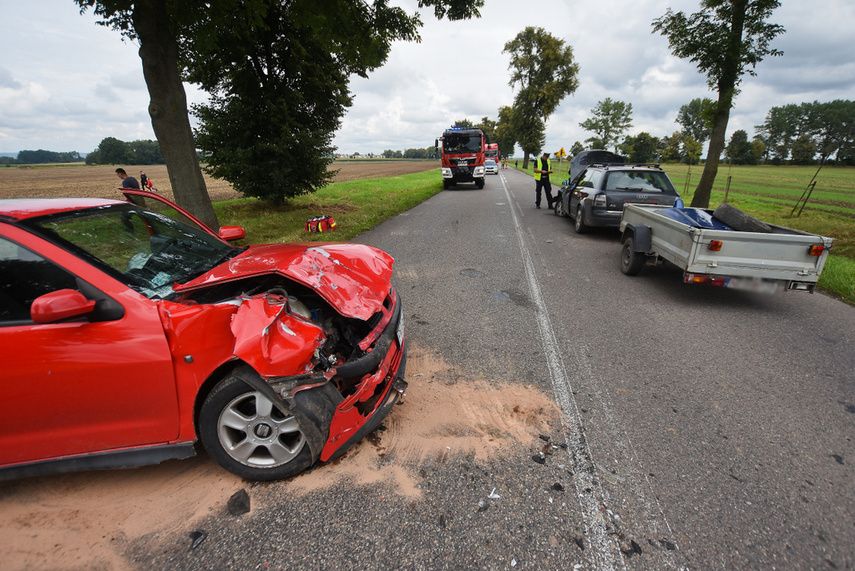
x: 558, y: 207
x: 245, y: 433
x: 580, y: 226
x: 739, y: 220
x: 630, y: 260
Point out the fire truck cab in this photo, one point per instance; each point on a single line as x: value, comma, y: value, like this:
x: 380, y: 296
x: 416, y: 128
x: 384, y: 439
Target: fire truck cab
x: 462, y: 156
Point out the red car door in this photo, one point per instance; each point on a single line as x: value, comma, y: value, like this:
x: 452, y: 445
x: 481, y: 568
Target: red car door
x: 83, y: 386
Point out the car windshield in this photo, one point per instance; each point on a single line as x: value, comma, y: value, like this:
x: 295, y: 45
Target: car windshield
x: 639, y: 181
x: 148, y: 251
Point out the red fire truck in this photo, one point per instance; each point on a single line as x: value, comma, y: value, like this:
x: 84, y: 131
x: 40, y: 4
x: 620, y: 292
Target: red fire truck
x: 492, y: 152
x: 462, y: 156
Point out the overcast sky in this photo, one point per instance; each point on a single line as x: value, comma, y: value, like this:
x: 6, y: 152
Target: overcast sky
x: 67, y: 83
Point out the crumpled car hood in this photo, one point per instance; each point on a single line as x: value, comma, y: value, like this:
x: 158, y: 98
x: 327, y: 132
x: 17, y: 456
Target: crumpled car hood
x: 353, y: 278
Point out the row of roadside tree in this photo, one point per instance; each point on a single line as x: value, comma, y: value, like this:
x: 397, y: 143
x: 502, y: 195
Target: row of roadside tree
x: 798, y: 134
x: 110, y: 151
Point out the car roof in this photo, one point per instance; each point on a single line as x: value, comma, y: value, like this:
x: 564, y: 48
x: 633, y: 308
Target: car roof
x: 23, y: 208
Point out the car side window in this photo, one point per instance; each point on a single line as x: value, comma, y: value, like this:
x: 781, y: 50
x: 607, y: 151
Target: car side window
x: 24, y: 276
x: 593, y: 178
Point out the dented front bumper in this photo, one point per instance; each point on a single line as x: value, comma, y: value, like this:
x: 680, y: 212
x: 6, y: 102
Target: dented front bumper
x: 363, y: 411
x: 374, y: 381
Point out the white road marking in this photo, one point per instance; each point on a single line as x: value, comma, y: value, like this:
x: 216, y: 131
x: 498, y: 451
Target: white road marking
x: 592, y: 500
x: 605, y: 553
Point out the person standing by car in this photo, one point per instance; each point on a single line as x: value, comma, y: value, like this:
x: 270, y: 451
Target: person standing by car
x: 541, y: 177
x: 127, y: 181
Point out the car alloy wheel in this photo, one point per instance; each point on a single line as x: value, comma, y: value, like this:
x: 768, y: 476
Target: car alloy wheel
x: 256, y: 433
x: 245, y: 433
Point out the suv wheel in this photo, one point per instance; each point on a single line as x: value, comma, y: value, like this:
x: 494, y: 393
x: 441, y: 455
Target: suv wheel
x: 580, y: 226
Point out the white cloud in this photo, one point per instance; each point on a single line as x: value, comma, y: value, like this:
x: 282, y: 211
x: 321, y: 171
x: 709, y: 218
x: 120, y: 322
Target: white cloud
x: 66, y: 82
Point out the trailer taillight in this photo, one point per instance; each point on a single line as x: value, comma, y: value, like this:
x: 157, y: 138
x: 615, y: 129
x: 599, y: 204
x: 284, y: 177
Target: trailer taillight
x: 816, y: 250
x: 704, y: 279
x: 715, y: 245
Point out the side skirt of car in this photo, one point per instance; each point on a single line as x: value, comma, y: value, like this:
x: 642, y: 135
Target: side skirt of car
x: 102, y: 461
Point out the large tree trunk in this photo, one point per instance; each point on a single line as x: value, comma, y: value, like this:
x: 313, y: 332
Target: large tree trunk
x: 168, y: 109
x: 727, y: 82
x: 701, y: 198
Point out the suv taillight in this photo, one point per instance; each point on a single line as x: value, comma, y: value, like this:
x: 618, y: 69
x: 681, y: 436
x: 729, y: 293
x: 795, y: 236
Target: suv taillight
x: 600, y: 200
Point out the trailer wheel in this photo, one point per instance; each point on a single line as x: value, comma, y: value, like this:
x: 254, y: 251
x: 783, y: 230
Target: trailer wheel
x: 630, y: 260
x: 738, y: 220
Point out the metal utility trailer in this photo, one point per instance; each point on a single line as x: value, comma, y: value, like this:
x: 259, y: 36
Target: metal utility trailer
x: 711, y: 251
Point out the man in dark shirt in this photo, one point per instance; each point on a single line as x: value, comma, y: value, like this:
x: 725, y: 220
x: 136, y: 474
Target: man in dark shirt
x: 127, y: 181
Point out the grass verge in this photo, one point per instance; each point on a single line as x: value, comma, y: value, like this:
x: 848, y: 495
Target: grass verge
x: 356, y: 206
x: 838, y: 278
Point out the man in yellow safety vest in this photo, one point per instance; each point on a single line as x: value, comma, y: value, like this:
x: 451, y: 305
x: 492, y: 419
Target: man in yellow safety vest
x: 541, y: 178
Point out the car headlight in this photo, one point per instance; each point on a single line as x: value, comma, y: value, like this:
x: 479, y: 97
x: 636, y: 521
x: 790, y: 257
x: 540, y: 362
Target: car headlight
x: 479, y: 171
x: 446, y: 172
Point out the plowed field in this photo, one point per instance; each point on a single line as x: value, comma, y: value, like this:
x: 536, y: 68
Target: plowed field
x: 101, y: 181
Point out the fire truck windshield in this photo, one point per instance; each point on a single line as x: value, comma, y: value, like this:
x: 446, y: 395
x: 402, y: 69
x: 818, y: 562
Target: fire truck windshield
x: 462, y: 143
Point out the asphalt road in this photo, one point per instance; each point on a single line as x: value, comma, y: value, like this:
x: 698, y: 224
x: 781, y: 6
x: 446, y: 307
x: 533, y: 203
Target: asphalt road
x: 701, y: 428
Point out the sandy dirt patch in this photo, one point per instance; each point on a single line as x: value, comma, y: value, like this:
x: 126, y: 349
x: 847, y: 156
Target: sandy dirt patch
x: 102, y: 182
x: 83, y: 520
x: 439, y: 418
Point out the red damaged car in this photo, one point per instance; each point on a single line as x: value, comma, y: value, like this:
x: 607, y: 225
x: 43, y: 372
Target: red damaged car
x: 129, y: 331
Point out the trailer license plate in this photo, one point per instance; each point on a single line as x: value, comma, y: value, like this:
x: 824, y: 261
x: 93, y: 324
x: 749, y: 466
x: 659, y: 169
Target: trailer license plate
x: 753, y: 284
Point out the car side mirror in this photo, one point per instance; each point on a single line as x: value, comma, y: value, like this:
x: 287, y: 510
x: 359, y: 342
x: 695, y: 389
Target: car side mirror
x: 232, y: 233
x: 60, y: 304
